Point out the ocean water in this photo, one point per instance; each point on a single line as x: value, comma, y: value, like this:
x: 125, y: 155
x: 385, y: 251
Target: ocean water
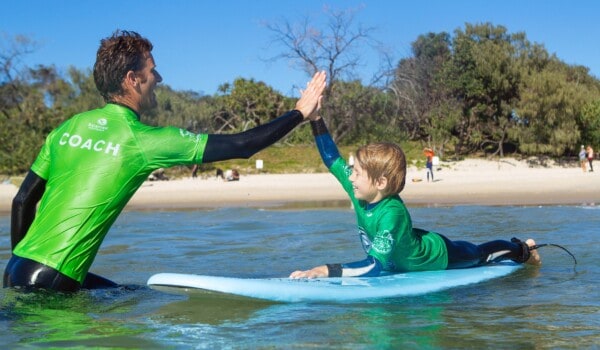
x: 555, y: 306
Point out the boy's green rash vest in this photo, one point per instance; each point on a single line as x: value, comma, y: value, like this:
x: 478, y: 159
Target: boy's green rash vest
x: 93, y: 164
x: 387, y: 233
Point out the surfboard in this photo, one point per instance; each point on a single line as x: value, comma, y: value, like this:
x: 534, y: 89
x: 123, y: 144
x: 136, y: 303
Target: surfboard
x: 328, y: 289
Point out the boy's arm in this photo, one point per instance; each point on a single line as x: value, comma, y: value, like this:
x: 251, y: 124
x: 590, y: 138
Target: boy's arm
x: 327, y: 148
x: 369, y: 267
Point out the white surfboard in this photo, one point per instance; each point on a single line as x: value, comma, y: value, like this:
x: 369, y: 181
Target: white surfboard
x: 328, y: 289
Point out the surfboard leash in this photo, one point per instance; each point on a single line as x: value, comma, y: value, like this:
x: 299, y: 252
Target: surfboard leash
x: 554, y: 245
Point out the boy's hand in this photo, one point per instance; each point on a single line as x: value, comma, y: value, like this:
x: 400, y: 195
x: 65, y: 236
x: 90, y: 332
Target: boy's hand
x: 317, y: 272
x: 316, y: 115
x: 309, y: 99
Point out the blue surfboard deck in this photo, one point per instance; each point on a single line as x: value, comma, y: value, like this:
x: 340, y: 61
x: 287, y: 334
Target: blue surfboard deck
x: 328, y: 289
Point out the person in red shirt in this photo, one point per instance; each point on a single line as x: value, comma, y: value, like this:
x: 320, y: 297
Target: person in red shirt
x: 429, y: 162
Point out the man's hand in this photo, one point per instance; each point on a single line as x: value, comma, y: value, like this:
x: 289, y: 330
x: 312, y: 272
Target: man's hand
x: 307, y: 104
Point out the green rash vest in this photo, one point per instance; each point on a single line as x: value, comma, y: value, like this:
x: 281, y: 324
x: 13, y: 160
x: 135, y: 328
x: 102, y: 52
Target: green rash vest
x: 93, y: 164
x: 387, y: 234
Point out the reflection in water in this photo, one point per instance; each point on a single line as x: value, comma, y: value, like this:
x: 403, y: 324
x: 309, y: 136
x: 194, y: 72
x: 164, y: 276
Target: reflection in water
x: 212, y: 309
x: 86, y: 318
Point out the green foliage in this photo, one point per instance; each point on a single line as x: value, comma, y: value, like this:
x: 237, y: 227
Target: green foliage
x: 590, y: 122
x: 352, y: 108
x: 247, y: 104
x: 184, y: 109
x: 552, y: 115
x: 495, y: 91
x: 486, y: 78
x: 481, y: 89
x: 425, y: 109
x: 35, y: 108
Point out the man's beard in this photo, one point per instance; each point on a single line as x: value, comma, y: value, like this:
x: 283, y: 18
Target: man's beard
x: 149, y: 103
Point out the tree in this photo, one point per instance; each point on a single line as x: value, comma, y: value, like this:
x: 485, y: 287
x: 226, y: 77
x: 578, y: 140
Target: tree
x: 424, y: 107
x: 247, y: 104
x: 359, y: 114
x: 484, y: 76
x: 185, y: 109
x: 556, y: 109
x: 338, y: 47
x: 590, y: 121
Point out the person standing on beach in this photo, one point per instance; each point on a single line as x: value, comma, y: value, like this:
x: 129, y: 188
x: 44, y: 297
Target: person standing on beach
x: 385, y: 228
x: 590, y: 156
x: 429, y: 162
x: 93, y: 163
x: 583, y: 159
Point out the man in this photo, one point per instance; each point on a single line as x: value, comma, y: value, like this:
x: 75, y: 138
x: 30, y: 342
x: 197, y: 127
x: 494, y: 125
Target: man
x: 93, y: 163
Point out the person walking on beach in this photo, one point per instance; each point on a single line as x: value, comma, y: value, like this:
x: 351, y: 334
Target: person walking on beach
x: 429, y: 162
x: 583, y: 159
x: 390, y: 241
x: 590, y: 156
x: 93, y: 163
x: 195, y: 171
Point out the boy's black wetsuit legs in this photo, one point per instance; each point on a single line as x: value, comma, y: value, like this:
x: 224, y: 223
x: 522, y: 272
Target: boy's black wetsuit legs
x: 462, y: 254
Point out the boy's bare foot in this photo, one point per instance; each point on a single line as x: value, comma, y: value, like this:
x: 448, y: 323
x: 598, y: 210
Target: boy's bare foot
x: 534, y: 258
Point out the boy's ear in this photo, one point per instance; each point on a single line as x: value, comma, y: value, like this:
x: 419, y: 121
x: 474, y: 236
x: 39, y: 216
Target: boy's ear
x: 381, y: 183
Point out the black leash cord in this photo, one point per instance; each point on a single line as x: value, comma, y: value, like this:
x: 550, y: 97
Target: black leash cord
x: 554, y: 245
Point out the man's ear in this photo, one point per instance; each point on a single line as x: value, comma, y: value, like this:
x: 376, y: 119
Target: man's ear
x: 130, y: 80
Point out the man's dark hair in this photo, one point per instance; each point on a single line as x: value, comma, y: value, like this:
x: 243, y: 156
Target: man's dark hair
x: 118, y: 54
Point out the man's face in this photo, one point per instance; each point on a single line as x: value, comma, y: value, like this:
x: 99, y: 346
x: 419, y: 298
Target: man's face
x: 147, y: 78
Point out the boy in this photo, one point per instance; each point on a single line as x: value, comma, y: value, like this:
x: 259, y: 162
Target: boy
x: 385, y: 226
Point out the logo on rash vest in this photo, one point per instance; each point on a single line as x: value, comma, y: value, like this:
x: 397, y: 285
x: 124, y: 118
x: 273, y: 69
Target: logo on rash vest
x: 383, y: 243
x: 76, y: 141
x: 364, y: 240
x: 191, y: 135
x: 100, y: 125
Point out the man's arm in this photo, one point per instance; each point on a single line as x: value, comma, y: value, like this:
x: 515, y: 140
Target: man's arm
x: 245, y: 144
x: 24, y: 206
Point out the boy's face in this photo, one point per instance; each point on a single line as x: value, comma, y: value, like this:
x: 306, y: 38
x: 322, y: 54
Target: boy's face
x: 364, y: 189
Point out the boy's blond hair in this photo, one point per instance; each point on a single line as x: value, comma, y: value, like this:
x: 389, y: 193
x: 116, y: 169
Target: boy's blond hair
x: 384, y: 159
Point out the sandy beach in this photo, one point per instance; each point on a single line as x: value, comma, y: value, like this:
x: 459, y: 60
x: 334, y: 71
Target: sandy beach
x: 467, y: 182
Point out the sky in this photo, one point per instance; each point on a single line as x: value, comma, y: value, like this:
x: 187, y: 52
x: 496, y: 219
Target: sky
x: 202, y: 44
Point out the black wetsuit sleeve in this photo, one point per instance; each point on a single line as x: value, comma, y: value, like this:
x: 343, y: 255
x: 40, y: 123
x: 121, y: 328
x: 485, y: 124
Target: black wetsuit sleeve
x: 245, y: 144
x: 24, y: 206
x: 369, y: 267
x: 327, y: 148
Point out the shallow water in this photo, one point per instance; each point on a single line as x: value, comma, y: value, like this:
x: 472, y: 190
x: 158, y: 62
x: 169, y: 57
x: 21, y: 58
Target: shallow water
x: 555, y: 306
